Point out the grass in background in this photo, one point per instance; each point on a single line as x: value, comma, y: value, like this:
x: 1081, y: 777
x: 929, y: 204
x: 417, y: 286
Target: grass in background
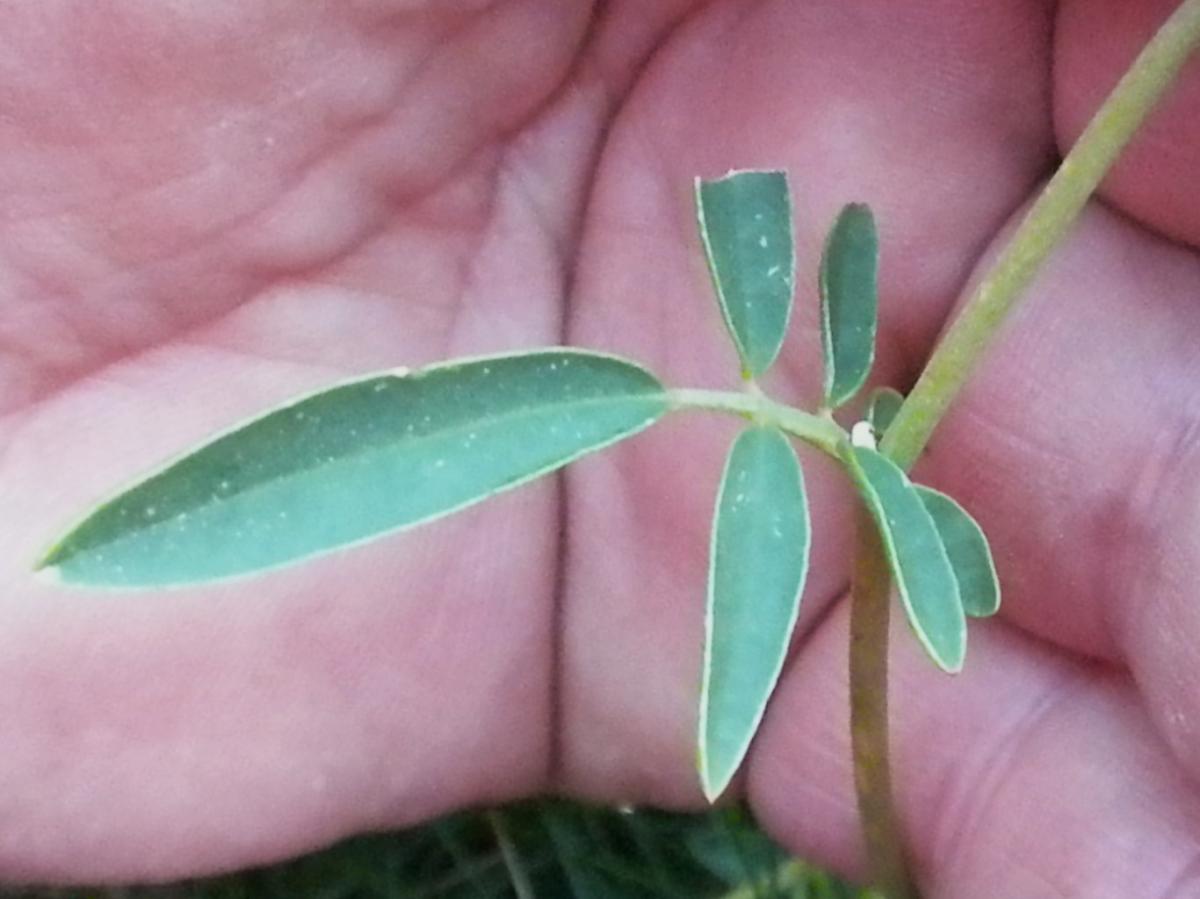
x: 536, y: 850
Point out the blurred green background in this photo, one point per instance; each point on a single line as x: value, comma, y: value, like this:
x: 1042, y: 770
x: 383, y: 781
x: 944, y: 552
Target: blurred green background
x: 544, y: 849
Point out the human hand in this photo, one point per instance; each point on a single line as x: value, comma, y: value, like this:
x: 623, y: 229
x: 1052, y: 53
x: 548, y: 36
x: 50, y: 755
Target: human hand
x: 208, y: 210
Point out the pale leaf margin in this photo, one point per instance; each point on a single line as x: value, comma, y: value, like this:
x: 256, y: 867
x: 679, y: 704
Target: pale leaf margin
x: 48, y: 564
x: 713, y: 788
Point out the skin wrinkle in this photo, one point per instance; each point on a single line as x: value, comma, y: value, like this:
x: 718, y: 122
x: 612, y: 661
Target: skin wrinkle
x: 254, y: 284
x: 615, y: 97
x: 1144, y: 562
x: 1186, y: 884
x: 963, y: 809
x: 467, y: 277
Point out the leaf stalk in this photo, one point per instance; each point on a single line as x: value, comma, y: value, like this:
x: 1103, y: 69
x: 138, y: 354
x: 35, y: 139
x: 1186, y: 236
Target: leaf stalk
x: 819, y: 431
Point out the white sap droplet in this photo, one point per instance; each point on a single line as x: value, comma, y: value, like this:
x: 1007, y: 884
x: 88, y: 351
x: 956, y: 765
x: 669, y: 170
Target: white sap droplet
x: 762, y: 241
x: 862, y: 434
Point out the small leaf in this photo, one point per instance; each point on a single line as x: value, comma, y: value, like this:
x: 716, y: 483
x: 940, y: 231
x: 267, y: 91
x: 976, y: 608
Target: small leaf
x: 924, y: 577
x: 759, y: 558
x: 746, y: 226
x: 881, y: 411
x: 849, y: 302
x: 356, y: 461
x: 969, y: 554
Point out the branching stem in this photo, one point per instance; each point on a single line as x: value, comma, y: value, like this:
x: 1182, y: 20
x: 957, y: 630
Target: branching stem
x: 1045, y: 225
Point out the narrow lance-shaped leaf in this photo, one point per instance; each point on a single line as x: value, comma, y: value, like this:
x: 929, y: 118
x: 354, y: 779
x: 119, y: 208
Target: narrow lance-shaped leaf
x: 968, y: 551
x: 924, y: 577
x: 881, y: 411
x: 746, y: 226
x: 759, y: 558
x: 849, y: 302
x: 356, y: 461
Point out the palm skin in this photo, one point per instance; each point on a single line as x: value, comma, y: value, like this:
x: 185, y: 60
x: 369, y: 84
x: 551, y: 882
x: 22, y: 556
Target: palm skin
x: 209, y: 208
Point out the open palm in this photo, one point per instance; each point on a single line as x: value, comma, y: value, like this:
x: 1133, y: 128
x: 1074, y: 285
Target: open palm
x: 208, y: 208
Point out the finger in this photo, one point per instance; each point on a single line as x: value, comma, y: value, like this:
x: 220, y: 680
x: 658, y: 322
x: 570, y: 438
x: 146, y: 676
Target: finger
x: 152, y: 736
x: 1076, y: 446
x: 933, y: 113
x: 1028, y: 775
x: 1155, y: 178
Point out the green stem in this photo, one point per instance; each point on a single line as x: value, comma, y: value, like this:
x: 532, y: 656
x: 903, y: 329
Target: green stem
x: 1047, y: 222
x: 821, y: 431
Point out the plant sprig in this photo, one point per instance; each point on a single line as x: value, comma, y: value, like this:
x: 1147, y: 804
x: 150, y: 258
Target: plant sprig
x: 390, y: 451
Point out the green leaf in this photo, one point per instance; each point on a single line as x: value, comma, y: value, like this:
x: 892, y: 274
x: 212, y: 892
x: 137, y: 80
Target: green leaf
x: 746, y: 226
x: 924, y: 577
x: 849, y: 302
x: 759, y: 558
x: 356, y: 461
x: 881, y: 411
x: 968, y: 551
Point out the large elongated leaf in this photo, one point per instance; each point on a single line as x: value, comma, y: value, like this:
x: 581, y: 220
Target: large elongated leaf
x: 968, y: 551
x: 849, y: 302
x: 759, y: 559
x: 746, y: 226
x: 924, y: 576
x: 356, y: 461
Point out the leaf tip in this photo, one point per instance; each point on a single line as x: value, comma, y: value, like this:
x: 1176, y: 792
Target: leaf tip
x: 712, y: 788
x: 954, y: 667
x: 951, y: 664
x: 48, y: 573
x: 49, y: 558
x: 711, y: 785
